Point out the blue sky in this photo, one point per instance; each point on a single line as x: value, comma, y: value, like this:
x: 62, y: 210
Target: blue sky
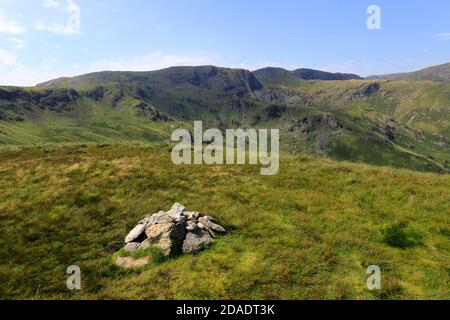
x: 43, y: 39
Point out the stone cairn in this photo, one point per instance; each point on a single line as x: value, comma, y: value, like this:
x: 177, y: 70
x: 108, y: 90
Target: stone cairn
x: 175, y: 231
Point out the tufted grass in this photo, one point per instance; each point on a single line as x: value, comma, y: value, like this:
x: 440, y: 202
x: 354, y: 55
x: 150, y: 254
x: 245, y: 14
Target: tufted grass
x: 309, y: 232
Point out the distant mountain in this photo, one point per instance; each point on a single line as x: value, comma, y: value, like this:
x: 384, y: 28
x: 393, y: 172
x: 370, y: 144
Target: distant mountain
x: 310, y: 74
x: 272, y: 75
x: 237, y: 81
x: 440, y: 73
x: 281, y: 76
x: 402, y: 124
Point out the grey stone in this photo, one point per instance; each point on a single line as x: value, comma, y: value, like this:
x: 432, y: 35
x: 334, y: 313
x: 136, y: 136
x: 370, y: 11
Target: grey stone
x: 160, y: 217
x: 132, y: 247
x: 129, y: 263
x: 207, y: 218
x: 152, y: 219
x: 207, y: 222
x: 201, y: 226
x: 176, y: 212
x: 135, y: 233
x: 196, y: 240
x: 155, y: 231
x: 145, y: 244
x: 168, y: 237
x: 192, y: 216
x: 191, y: 226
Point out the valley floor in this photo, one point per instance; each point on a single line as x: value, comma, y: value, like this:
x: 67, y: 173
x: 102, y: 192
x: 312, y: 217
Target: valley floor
x: 309, y: 232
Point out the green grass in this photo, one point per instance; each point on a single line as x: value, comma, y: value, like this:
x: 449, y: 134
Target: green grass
x: 309, y: 232
x: 400, y: 236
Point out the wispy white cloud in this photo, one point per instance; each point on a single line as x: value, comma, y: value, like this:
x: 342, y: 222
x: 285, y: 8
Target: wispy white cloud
x: 444, y: 36
x: 7, y: 58
x: 56, y: 28
x: 156, y: 60
x: 73, y: 21
x: 17, y: 74
x: 50, y: 3
x: 18, y: 44
x: 10, y: 26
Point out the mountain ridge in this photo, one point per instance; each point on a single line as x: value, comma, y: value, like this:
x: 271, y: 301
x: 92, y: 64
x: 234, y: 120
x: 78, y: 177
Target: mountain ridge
x: 273, y: 75
x: 438, y: 73
x: 196, y: 75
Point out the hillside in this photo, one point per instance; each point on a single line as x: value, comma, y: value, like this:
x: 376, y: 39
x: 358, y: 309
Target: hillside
x: 436, y: 73
x: 401, y: 124
x: 279, y: 76
x: 309, y: 232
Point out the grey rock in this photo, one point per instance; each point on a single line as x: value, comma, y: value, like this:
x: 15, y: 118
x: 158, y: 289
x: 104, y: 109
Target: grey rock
x: 369, y: 89
x: 152, y: 219
x: 207, y: 222
x: 421, y: 135
x: 390, y: 122
x: 191, y: 226
x: 132, y: 247
x: 129, y: 263
x: 193, y: 216
x: 207, y: 218
x: 145, y: 244
x: 201, y: 226
x: 212, y: 233
x: 135, y: 233
x: 160, y: 217
x: 196, y: 241
x: 168, y: 237
x: 176, y: 212
x: 332, y: 121
x: 155, y: 231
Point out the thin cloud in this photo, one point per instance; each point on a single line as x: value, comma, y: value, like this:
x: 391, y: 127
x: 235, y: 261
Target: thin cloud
x: 10, y: 26
x: 50, y: 3
x: 18, y: 44
x: 73, y: 22
x: 17, y: 74
x: 444, y: 36
x: 56, y: 28
x: 156, y: 60
x: 7, y: 58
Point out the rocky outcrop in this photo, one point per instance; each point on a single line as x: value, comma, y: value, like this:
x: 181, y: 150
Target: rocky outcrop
x: 19, y: 104
x: 369, y: 89
x: 173, y: 232
x: 145, y: 110
x: 274, y: 111
x: 390, y: 128
x: 331, y: 121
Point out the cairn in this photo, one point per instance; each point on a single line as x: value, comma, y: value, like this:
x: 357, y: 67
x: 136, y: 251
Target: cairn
x: 175, y: 231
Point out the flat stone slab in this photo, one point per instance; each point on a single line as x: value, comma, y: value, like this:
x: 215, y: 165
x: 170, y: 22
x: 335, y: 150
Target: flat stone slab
x: 129, y: 263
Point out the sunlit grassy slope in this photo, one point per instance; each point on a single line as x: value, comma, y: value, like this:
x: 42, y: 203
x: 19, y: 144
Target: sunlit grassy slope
x: 309, y: 232
x: 89, y: 122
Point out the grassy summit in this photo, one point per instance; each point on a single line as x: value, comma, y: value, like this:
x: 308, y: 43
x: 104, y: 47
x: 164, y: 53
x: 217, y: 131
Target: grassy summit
x: 309, y: 232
